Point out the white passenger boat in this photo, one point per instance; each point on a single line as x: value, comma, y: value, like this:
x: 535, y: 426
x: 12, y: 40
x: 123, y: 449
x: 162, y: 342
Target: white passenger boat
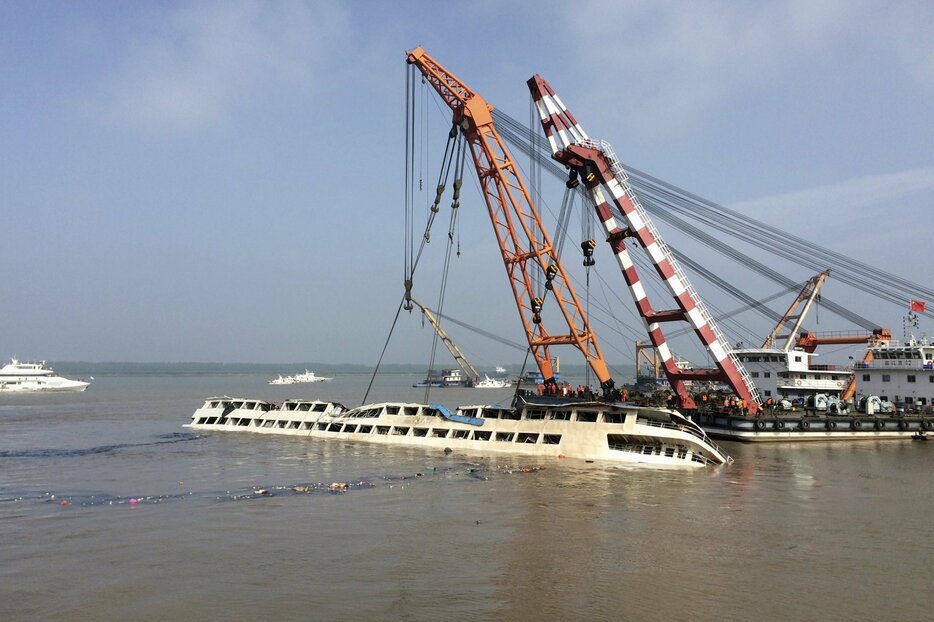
x: 307, y: 377
x: 614, y: 432
x: 17, y: 377
x: 493, y: 383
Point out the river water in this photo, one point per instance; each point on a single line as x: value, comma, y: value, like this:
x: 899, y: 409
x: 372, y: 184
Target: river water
x: 787, y: 532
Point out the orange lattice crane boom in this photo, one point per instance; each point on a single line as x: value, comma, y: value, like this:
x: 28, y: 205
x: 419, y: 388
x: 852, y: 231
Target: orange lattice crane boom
x: 809, y: 341
x: 524, y: 243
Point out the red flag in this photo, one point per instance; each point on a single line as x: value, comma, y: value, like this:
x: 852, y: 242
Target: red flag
x: 917, y: 306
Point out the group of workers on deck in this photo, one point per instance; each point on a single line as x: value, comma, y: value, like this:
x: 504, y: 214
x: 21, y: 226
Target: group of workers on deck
x: 565, y: 389
x: 703, y: 401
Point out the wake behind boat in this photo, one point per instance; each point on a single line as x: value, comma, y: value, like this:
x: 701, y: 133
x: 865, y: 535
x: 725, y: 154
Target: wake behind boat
x: 305, y: 378
x: 17, y: 377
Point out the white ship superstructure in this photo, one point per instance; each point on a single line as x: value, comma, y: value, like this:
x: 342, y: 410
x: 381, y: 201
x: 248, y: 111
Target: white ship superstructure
x: 19, y: 377
x: 493, y: 383
x: 790, y: 375
x: 900, y: 372
x: 586, y: 430
x: 305, y: 378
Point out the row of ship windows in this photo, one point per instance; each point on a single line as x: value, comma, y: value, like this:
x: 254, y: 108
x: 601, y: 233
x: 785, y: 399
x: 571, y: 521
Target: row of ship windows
x: 531, y: 414
x: 486, y: 413
x: 622, y: 443
x: 766, y: 359
x: 802, y: 376
x: 614, y: 441
x: 767, y: 374
x: 264, y: 406
x: 351, y: 428
x: 888, y: 378
x: 913, y: 355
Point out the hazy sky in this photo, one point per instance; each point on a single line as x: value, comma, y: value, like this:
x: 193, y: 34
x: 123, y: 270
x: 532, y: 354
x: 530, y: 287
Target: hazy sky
x: 224, y: 181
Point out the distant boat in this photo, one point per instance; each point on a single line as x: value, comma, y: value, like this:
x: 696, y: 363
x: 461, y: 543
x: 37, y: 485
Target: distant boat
x: 444, y: 378
x: 493, y: 383
x: 500, y: 369
x: 16, y: 377
x: 305, y: 378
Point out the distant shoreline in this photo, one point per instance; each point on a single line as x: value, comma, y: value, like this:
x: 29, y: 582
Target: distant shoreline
x: 186, y: 368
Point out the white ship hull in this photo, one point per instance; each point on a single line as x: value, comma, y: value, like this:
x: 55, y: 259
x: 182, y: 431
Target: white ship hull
x: 493, y: 383
x: 42, y: 385
x: 306, y: 378
x: 17, y: 377
x: 588, y: 431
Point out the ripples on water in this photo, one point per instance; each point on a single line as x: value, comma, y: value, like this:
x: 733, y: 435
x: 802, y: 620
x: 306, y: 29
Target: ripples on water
x: 245, y: 526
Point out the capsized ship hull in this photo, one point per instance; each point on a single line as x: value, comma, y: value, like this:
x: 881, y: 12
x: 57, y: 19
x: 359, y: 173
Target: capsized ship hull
x: 584, y: 430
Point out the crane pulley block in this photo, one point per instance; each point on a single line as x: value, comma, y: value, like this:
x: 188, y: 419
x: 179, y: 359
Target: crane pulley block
x: 588, y: 246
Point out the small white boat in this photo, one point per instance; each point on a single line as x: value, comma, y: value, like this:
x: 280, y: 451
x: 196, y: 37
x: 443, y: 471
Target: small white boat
x: 307, y: 377
x: 493, y: 383
x: 17, y: 377
x: 500, y: 369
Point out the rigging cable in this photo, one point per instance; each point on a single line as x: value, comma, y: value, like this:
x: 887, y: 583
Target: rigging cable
x: 412, y: 262
x: 871, y: 280
x: 409, y: 201
x: 455, y: 204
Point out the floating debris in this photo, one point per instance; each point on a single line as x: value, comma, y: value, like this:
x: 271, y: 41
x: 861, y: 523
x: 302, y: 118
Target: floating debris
x: 470, y: 470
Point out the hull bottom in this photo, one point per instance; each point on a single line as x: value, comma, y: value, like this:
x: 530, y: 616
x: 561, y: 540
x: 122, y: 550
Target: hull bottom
x: 788, y: 427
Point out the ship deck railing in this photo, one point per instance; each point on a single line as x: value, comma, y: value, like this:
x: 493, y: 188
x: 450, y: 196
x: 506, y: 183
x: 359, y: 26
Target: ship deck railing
x: 683, y: 428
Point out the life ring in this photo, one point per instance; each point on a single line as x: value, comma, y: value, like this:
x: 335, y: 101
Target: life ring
x: 797, y: 383
x: 830, y: 425
x: 925, y: 424
x: 760, y: 424
x: 856, y: 424
x: 879, y: 424
x: 804, y: 424
x: 902, y: 424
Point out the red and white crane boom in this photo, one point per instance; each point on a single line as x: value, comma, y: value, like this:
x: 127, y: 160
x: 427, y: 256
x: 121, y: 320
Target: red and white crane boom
x: 596, y: 164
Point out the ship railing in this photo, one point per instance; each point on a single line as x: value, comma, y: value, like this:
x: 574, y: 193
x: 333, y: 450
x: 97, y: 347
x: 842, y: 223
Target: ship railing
x: 621, y: 177
x: 683, y: 428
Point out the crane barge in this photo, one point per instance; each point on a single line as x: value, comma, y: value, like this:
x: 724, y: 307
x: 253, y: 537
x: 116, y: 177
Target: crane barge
x: 625, y: 222
x: 606, y: 430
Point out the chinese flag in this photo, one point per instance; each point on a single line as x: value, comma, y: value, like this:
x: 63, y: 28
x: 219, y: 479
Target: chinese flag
x: 917, y: 306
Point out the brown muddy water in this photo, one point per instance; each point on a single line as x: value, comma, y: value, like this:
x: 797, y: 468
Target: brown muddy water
x: 787, y: 532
